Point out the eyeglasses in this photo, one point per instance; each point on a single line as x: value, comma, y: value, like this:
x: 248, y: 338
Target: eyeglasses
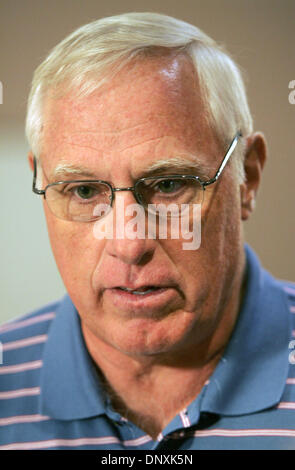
x: 78, y: 200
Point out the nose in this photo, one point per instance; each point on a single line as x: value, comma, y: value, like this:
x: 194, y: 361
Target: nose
x: 130, y: 242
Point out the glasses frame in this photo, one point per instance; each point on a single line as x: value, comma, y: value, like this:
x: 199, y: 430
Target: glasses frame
x: 204, y: 184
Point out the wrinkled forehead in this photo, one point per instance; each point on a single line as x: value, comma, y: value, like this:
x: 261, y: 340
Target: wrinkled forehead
x: 156, y: 101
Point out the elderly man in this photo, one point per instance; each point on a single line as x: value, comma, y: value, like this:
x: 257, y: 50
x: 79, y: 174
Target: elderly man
x: 157, y: 345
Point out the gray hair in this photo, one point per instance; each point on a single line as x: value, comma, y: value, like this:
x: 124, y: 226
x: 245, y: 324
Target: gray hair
x: 92, y: 54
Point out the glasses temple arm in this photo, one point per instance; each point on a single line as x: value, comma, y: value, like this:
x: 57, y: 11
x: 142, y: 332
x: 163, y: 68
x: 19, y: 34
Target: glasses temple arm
x: 35, y: 190
x: 225, y: 159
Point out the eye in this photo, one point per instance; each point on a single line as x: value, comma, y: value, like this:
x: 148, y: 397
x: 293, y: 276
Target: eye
x: 170, y: 189
x: 164, y: 187
x: 84, y: 191
x: 168, y: 186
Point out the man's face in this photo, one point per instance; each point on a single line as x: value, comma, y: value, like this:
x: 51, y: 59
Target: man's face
x: 150, y: 111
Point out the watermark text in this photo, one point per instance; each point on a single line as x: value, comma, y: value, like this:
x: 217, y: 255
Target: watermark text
x: 159, y: 222
x: 292, y: 353
x: 292, y: 93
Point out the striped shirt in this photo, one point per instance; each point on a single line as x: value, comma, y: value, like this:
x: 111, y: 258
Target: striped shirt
x: 51, y: 397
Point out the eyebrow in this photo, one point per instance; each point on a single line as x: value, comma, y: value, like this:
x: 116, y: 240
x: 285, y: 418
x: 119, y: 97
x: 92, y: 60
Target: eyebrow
x: 63, y: 170
x: 181, y: 164
x: 175, y: 164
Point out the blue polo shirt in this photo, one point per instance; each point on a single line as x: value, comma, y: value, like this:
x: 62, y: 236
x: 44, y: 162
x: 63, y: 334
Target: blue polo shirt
x: 51, y: 396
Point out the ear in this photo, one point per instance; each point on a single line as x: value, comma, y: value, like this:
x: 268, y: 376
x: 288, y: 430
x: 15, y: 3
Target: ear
x: 31, y: 160
x: 254, y: 160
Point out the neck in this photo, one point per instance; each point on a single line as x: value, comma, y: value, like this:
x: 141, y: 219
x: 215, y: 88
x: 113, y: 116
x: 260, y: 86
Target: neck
x: 150, y: 391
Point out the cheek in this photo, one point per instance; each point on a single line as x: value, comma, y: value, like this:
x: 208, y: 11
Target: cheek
x: 191, y: 266
x: 222, y: 240
x: 222, y: 218
x: 76, y: 252
x: 205, y: 269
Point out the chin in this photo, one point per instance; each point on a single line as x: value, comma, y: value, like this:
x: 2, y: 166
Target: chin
x: 142, y: 337
x: 144, y: 350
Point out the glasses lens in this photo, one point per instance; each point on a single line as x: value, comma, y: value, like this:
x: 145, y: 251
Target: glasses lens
x: 173, y: 193
x: 78, y: 201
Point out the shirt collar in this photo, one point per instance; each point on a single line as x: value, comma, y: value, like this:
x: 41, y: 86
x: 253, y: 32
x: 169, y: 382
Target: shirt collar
x: 70, y: 388
x: 252, y: 373
x: 250, y: 377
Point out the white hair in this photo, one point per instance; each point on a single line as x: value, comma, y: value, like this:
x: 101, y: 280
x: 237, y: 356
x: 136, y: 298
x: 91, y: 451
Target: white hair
x: 92, y: 54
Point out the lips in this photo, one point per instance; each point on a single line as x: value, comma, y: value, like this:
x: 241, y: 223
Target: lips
x: 144, y: 290
x: 148, y: 300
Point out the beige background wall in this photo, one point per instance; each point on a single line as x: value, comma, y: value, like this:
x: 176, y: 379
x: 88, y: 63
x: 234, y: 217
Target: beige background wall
x: 260, y: 34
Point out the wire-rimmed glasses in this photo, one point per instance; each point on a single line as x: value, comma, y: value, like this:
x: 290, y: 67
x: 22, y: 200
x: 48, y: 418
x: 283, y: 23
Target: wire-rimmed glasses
x: 78, y: 200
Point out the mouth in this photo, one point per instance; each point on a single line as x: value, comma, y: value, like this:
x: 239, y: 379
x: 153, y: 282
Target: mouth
x: 140, y: 291
x: 143, y: 300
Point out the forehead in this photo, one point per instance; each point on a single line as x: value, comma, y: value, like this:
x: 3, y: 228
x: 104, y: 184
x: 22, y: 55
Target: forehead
x: 152, y: 106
